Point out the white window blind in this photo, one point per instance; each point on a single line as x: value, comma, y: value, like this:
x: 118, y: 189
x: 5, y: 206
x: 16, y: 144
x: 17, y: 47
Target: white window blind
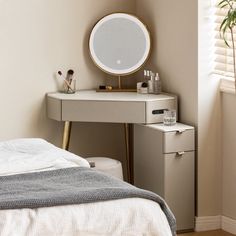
x: 223, y: 53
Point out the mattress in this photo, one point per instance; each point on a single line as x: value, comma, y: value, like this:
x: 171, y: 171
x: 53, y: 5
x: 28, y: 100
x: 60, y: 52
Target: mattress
x: 134, y: 216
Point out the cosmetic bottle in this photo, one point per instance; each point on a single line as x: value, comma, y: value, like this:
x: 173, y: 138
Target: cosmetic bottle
x: 157, y: 84
x: 151, y: 83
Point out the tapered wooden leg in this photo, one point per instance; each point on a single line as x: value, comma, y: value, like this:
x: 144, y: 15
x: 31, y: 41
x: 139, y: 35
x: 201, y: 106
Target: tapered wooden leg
x: 66, y: 135
x: 129, y: 156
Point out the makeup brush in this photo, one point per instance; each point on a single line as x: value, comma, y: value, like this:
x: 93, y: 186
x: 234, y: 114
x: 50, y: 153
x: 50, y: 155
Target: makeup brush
x: 65, y: 80
x: 60, y: 73
x: 69, y: 76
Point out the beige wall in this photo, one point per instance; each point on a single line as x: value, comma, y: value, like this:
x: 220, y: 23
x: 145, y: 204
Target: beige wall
x: 209, y: 120
x: 37, y: 38
x: 173, y: 26
x: 181, y: 56
x: 229, y: 154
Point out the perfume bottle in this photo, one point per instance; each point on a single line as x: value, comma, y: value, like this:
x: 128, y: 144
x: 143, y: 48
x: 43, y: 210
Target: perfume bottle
x: 157, y: 84
x: 151, y: 83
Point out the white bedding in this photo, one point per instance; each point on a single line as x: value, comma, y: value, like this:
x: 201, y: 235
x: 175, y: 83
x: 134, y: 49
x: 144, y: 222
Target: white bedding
x: 120, y: 217
x: 29, y: 155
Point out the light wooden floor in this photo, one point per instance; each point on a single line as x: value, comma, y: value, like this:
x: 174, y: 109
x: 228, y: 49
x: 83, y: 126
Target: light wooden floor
x: 210, y: 233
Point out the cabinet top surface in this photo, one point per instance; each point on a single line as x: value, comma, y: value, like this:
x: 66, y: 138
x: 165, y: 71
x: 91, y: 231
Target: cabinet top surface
x: 173, y: 128
x: 92, y: 95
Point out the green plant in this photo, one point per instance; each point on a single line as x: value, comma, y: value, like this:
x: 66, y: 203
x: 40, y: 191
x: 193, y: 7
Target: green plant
x: 227, y: 26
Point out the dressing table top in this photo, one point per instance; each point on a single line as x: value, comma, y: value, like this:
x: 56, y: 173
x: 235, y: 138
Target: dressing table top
x: 92, y: 95
x: 111, y: 107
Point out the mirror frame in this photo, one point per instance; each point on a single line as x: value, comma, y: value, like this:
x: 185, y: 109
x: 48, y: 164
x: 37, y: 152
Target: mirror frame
x: 141, y: 62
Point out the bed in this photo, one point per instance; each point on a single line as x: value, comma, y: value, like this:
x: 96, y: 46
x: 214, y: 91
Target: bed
x: 129, y: 216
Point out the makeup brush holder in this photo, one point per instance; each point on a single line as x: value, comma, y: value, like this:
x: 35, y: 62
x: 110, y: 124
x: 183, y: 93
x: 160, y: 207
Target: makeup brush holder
x: 69, y: 87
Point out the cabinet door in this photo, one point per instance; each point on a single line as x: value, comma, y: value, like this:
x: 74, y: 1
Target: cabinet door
x: 179, y: 188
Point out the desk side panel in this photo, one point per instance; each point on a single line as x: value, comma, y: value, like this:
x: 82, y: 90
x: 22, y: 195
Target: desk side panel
x: 54, y: 108
x: 148, y: 159
x: 103, y: 111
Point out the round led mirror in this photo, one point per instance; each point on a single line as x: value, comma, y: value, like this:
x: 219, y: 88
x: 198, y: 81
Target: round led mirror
x: 119, y: 44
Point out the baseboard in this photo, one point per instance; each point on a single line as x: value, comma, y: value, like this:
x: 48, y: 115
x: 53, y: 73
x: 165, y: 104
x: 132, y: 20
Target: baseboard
x: 207, y: 223
x: 228, y: 225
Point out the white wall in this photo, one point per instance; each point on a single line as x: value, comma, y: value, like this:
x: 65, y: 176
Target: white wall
x: 37, y: 38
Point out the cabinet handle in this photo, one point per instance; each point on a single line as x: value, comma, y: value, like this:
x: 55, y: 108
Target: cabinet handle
x: 180, y: 131
x: 180, y: 154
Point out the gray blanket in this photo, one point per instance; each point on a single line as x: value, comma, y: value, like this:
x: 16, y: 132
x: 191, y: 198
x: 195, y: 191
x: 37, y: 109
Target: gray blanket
x: 69, y: 186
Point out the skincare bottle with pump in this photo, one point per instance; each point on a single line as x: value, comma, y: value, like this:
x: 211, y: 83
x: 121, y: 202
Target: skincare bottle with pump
x: 157, y: 84
x: 145, y: 75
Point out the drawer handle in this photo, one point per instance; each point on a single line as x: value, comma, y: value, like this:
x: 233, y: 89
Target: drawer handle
x: 180, y: 131
x: 180, y: 154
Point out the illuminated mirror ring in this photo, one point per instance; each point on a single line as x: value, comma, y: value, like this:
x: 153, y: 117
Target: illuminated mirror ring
x: 119, y: 44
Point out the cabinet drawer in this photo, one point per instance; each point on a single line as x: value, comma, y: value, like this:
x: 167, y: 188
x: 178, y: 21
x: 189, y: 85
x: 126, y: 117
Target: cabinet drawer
x: 178, y: 141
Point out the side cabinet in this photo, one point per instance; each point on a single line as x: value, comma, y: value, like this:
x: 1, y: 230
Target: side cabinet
x: 164, y: 163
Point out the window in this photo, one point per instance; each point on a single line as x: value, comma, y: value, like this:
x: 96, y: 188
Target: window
x: 223, y: 53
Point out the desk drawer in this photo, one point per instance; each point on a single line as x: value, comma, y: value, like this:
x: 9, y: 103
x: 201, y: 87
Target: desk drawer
x: 178, y: 141
x: 155, y: 110
x: 103, y: 111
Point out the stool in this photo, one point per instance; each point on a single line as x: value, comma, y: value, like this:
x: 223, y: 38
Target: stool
x: 107, y: 165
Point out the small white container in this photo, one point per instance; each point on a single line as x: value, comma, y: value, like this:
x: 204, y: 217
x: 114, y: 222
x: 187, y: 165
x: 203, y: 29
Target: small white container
x: 139, y: 85
x: 141, y: 89
x: 144, y: 90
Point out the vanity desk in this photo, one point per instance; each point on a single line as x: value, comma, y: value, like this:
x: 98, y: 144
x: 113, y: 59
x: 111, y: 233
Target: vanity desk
x: 123, y: 107
x: 162, y: 156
